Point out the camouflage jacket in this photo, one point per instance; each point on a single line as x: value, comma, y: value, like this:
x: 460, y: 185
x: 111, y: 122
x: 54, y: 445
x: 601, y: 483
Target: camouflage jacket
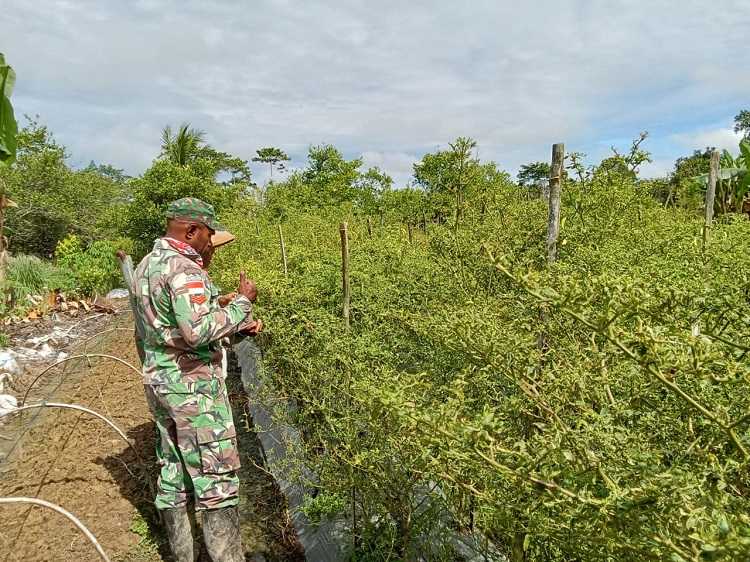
x: 180, y: 319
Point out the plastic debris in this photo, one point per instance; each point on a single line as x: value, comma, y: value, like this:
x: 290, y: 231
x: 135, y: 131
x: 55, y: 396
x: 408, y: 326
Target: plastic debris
x: 118, y: 294
x: 8, y: 403
x: 8, y: 363
x: 4, y: 379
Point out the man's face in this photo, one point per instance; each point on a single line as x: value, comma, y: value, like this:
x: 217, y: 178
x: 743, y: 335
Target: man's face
x: 199, y: 237
x: 208, y: 255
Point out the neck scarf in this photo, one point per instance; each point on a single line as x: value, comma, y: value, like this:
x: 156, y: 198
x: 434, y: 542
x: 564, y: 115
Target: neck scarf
x: 185, y: 249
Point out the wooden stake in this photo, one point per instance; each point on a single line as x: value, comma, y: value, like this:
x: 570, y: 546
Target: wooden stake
x: 713, y: 174
x: 369, y: 227
x: 344, y: 231
x: 555, y: 181
x: 283, y: 250
x: 411, y: 232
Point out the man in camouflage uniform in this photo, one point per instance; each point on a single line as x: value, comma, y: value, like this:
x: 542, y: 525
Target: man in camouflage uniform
x: 181, y: 325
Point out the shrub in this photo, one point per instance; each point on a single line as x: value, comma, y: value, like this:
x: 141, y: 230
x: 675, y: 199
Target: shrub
x: 29, y: 275
x: 95, y: 268
x: 596, y: 409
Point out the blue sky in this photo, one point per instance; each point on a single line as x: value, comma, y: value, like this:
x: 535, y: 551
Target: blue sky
x: 384, y: 80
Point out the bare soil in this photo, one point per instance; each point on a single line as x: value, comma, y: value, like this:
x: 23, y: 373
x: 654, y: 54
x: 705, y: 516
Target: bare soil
x: 76, y: 461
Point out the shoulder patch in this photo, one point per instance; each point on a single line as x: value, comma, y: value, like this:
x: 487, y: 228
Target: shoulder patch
x: 196, y: 289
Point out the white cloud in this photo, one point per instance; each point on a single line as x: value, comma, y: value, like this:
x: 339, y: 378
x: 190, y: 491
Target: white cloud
x: 390, y: 79
x: 658, y: 168
x: 399, y: 165
x: 721, y: 138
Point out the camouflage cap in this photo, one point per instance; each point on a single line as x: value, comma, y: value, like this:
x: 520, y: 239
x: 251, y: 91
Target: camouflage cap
x: 192, y: 209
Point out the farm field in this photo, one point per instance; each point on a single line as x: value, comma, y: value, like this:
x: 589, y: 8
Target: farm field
x: 75, y: 461
x: 456, y: 364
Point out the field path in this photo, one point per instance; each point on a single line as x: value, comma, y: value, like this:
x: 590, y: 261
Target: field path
x: 77, y: 462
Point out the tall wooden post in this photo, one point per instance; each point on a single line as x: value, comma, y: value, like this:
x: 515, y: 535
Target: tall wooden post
x: 344, y: 231
x: 283, y: 250
x: 555, y: 181
x: 713, y: 174
x: 369, y: 227
x: 410, y: 230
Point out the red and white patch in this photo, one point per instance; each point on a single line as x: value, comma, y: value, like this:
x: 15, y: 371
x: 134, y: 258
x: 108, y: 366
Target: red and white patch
x: 197, y: 291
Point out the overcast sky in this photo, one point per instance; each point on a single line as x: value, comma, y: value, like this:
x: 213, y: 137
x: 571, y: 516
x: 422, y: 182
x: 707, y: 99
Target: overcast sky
x: 386, y: 80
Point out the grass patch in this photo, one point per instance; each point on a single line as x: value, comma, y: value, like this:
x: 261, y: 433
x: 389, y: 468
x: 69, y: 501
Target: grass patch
x: 147, y: 549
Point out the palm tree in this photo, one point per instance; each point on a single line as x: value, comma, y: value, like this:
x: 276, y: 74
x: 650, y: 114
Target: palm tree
x: 181, y: 148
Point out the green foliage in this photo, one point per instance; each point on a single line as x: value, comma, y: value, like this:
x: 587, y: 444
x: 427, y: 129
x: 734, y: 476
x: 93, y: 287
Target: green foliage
x: 181, y: 147
x: 8, y: 126
x: 328, y: 181
x: 592, y: 410
x: 449, y: 176
x: 742, y: 123
x: 322, y: 506
x: 149, y: 539
x: 95, y: 267
x: 274, y: 157
x: 733, y: 181
x: 29, y: 275
x: 54, y: 200
x: 165, y: 182
x: 530, y: 174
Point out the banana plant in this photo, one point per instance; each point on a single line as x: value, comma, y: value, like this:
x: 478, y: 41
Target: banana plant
x: 8, y: 125
x: 733, y: 181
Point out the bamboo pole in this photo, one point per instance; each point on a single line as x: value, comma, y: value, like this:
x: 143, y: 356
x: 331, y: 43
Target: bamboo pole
x: 555, y: 181
x: 713, y: 174
x: 344, y: 232
x: 283, y: 250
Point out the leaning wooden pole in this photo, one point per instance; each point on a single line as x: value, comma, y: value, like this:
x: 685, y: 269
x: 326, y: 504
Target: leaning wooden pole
x: 344, y: 231
x: 713, y: 175
x: 283, y: 250
x: 555, y: 182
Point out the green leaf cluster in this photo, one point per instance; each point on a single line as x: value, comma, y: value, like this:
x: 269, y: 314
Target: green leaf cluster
x: 8, y: 125
x: 596, y: 409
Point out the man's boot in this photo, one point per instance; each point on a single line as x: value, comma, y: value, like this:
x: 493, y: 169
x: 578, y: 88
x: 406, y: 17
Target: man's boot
x: 177, y: 524
x: 221, y: 533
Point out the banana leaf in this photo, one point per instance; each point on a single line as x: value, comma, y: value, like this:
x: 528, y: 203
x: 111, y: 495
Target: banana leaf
x: 724, y: 174
x: 8, y: 125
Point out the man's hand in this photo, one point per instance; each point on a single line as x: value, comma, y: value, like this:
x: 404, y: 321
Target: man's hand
x: 247, y: 287
x: 253, y: 328
x: 226, y: 299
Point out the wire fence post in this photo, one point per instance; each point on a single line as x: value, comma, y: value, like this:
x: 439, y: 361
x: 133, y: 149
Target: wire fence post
x: 555, y: 181
x: 344, y: 232
x: 713, y: 174
x: 283, y: 250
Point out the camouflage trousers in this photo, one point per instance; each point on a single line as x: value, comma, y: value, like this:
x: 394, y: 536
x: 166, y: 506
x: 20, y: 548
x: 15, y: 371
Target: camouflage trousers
x: 196, y: 446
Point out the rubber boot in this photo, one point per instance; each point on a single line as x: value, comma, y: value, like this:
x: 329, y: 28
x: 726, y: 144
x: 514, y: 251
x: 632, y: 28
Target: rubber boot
x: 177, y: 524
x: 221, y: 533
